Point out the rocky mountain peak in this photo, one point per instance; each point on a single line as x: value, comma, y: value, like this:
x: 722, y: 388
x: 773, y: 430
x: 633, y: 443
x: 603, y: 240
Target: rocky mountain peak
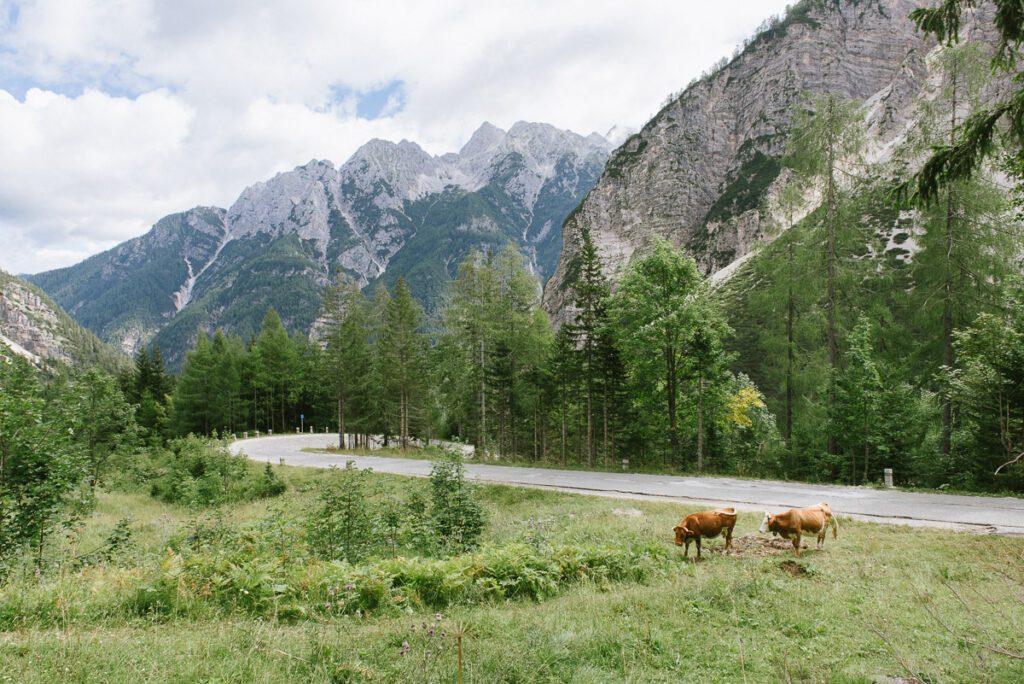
x: 695, y: 174
x: 483, y: 140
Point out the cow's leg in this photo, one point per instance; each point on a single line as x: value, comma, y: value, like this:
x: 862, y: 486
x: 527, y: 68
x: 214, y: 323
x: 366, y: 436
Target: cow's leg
x: 698, y: 548
x: 821, y: 538
x: 728, y: 538
x: 796, y: 544
x: 686, y: 549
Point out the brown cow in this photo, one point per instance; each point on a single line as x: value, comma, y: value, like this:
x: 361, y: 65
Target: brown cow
x: 705, y: 524
x: 794, y: 522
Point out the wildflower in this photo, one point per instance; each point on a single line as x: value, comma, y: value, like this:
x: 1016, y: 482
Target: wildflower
x: 439, y: 617
x: 327, y: 606
x: 350, y: 586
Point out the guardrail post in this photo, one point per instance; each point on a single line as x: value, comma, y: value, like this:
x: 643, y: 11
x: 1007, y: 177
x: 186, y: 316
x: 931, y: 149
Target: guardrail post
x: 888, y: 477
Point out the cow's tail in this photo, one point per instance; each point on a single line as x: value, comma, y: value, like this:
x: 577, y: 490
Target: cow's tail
x: 834, y: 524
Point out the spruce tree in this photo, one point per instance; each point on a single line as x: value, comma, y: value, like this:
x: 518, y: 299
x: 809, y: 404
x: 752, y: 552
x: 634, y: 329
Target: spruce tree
x: 402, y: 351
x: 347, y: 354
x: 275, y: 364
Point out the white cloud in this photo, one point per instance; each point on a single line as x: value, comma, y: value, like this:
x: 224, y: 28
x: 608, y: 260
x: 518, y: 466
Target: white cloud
x: 172, y: 104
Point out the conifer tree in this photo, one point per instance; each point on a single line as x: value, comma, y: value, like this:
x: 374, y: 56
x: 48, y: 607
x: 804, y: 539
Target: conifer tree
x: 825, y: 137
x: 402, y: 348
x: 275, y: 363
x: 347, y: 353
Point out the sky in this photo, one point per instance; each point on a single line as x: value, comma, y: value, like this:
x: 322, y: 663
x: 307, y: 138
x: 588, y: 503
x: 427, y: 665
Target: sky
x: 114, y: 113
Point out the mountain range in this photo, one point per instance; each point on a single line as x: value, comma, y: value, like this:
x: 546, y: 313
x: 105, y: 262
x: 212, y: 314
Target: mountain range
x: 392, y: 210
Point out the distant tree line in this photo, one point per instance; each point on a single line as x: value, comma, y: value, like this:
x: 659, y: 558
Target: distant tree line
x: 641, y: 375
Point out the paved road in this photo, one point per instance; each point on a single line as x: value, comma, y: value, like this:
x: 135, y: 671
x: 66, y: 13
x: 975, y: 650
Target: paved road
x: 1004, y: 515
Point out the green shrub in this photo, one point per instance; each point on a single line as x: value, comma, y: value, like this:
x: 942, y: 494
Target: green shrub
x: 456, y: 514
x: 340, y: 526
x: 197, y: 473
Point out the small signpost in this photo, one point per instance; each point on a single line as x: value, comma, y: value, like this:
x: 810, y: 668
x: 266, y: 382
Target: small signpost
x: 888, y: 477
x: 302, y: 422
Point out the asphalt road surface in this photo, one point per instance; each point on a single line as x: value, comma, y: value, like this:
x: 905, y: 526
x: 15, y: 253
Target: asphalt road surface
x: 1004, y: 515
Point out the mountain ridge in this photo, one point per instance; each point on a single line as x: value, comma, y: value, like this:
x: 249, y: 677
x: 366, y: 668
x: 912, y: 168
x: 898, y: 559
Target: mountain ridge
x: 697, y: 173
x: 208, y: 267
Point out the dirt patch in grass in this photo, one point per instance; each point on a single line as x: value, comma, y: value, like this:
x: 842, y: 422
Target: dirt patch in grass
x: 793, y: 568
x: 755, y: 546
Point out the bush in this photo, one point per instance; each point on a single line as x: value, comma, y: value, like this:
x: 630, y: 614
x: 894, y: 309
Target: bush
x: 194, y: 472
x: 340, y: 527
x: 456, y: 515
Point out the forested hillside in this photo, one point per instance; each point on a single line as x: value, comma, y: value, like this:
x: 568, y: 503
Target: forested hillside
x: 34, y: 327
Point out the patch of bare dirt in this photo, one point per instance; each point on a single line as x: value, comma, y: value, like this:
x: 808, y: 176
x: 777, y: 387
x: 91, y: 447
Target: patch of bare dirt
x: 793, y: 568
x: 754, y: 545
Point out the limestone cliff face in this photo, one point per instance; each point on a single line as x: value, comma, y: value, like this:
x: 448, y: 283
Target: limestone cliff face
x: 33, y: 327
x: 698, y: 172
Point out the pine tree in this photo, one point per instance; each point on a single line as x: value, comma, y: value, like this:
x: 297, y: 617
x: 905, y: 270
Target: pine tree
x: 590, y: 296
x: 275, y: 363
x: 402, y: 348
x: 195, y: 396
x: 347, y: 354
x: 859, y: 398
x: 824, y: 137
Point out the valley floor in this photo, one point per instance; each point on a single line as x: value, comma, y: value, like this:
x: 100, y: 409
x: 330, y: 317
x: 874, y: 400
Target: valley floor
x: 987, y: 514
x: 879, y: 600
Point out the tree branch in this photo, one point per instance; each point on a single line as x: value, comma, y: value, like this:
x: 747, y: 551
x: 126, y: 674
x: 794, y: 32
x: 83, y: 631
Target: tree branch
x: 1011, y: 462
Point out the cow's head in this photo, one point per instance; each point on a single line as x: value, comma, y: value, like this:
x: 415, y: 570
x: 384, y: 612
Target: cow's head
x: 682, y: 534
x: 766, y: 524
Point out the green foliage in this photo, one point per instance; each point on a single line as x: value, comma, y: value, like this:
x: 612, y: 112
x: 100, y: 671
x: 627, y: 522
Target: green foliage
x: 988, y: 386
x: 671, y: 339
x: 43, y: 467
x: 401, y: 351
x: 341, y: 526
x: 977, y: 139
x: 193, y: 472
x: 457, y: 518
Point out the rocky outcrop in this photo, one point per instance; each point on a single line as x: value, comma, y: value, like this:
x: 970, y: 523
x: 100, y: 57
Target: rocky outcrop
x: 698, y: 172
x: 34, y: 327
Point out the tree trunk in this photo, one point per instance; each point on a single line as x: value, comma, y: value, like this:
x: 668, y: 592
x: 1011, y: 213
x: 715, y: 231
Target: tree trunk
x: 564, y: 418
x: 833, y: 346
x: 700, y: 422
x: 670, y: 391
x: 948, y: 294
x: 790, y: 316
x: 341, y: 421
x: 590, y: 426
x: 482, y: 446
x: 604, y: 418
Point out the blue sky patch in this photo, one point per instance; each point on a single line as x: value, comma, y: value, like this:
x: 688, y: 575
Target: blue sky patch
x: 387, y: 100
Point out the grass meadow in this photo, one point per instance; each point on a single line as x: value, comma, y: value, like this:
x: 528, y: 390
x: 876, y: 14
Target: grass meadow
x: 564, y: 588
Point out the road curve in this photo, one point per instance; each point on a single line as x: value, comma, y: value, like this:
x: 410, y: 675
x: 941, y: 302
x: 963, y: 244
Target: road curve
x: 1003, y: 515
